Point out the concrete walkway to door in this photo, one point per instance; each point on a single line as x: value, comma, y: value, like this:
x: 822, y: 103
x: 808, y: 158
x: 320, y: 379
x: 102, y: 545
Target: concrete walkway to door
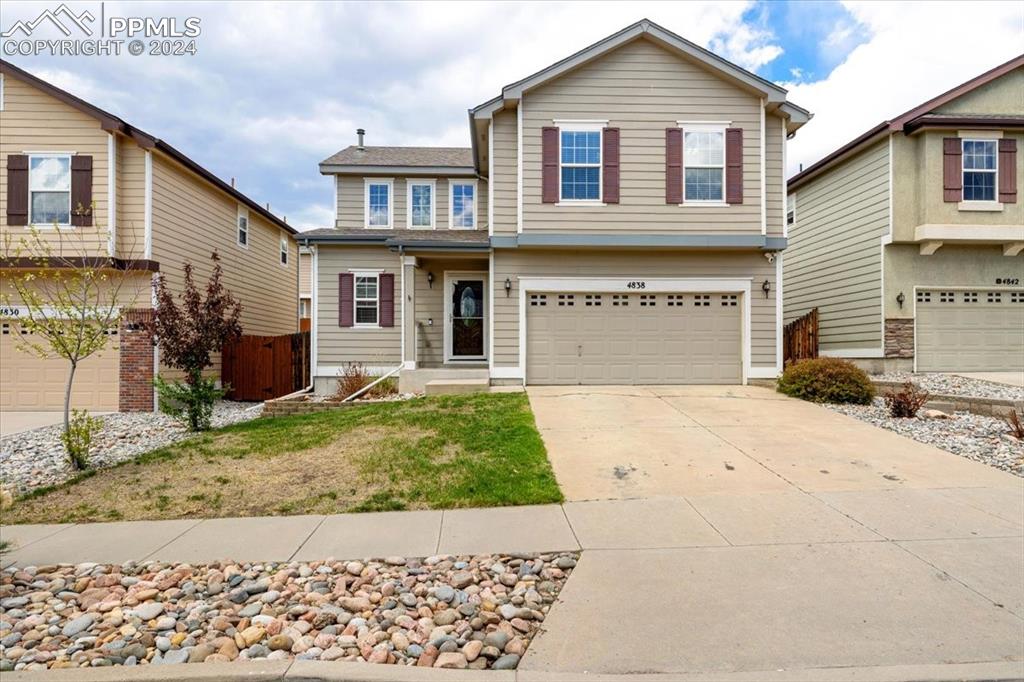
x: 769, y: 536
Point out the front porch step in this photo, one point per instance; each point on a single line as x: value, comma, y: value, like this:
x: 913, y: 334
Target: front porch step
x: 416, y: 380
x: 457, y: 386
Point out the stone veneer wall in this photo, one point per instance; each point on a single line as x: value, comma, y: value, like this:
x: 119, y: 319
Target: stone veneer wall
x: 136, y: 368
x: 899, y: 338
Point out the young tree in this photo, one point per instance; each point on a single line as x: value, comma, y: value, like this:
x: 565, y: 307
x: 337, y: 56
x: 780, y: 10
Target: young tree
x: 65, y: 298
x: 188, y: 333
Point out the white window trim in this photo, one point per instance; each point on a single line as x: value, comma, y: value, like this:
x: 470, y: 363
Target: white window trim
x: 390, y: 182
x: 992, y: 204
x: 242, y: 213
x: 432, y: 184
x: 284, y: 249
x: 49, y: 155
x: 375, y: 274
x: 704, y: 127
x: 790, y: 206
x: 582, y: 126
x: 451, y: 204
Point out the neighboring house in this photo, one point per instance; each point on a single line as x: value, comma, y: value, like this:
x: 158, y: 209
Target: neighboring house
x: 305, y: 287
x: 909, y: 238
x: 115, y: 191
x: 619, y: 218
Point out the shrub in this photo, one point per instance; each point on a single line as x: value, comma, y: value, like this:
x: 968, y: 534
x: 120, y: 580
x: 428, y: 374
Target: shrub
x: 190, y: 403
x: 353, y: 377
x: 827, y: 380
x: 905, y: 402
x: 77, y: 438
x: 1016, y: 424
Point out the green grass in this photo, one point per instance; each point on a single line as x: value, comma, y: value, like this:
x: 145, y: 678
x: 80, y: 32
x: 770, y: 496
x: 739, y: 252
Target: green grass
x: 478, y: 450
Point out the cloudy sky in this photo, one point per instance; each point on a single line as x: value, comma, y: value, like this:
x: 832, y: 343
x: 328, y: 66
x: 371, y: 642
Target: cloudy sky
x: 276, y: 87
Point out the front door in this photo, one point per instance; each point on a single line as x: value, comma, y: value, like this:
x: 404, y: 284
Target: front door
x: 466, y: 317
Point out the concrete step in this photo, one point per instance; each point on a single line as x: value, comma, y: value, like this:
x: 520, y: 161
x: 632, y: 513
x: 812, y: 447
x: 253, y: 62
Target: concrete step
x: 456, y: 386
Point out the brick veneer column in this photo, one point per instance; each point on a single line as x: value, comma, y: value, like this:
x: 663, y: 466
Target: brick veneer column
x: 136, y: 370
x: 899, y: 338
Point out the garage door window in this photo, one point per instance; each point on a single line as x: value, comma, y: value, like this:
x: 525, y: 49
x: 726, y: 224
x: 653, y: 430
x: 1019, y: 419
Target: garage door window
x: 620, y: 300
x: 994, y: 297
x: 729, y: 300
x: 593, y: 300
x: 566, y: 300
x: 1017, y: 297
x: 647, y: 301
x: 675, y: 300
x: 538, y: 299
x: 970, y: 297
x: 702, y: 300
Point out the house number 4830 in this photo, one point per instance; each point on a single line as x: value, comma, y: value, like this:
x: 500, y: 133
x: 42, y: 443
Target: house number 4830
x: 636, y: 285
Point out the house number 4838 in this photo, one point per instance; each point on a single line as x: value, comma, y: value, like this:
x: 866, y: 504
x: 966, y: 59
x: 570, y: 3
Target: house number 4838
x: 636, y: 285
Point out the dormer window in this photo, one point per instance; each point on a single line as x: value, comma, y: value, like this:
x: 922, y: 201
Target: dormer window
x: 979, y: 169
x: 378, y: 203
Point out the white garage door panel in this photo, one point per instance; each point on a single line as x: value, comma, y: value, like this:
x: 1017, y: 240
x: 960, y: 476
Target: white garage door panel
x: 970, y: 330
x: 29, y: 383
x: 635, y: 339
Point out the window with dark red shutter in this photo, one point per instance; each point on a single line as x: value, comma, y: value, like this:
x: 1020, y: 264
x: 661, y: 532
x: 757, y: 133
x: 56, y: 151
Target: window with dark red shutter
x: 17, y: 189
x: 734, y: 165
x: 952, y: 170
x: 1008, y: 170
x: 549, y: 164
x: 346, y: 299
x: 387, y: 300
x: 81, y: 191
x: 610, y: 162
x: 673, y: 166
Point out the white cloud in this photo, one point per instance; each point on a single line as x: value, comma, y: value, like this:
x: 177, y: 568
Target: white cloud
x: 915, y: 52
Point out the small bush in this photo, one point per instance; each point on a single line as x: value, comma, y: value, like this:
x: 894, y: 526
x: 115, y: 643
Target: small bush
x: 353, y: 377
x: 827, y: 380
x: 77, y: 439
x: 1016, y: 424
x: 904, y: 403
x: 192, y: 404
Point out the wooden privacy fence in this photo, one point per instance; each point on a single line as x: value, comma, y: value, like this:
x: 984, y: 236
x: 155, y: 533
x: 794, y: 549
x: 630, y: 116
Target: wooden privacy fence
x: 800, y: 338
x: 265, y: 367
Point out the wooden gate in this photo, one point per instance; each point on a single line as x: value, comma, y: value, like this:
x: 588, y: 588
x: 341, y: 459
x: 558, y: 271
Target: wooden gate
x: 265, y: 367
x: 800, y: 338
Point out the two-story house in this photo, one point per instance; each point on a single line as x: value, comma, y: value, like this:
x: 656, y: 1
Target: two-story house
x: 908, y: 239
x: 96, y: 187
x: 618, y: 219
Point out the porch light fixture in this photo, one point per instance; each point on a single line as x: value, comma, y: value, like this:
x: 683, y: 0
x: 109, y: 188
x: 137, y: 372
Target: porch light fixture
x: 900, y: 298
x: 508, y: 287
x: 766, y: 287
x: 430, y: 280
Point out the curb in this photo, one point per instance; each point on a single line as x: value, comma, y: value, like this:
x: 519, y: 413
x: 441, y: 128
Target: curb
x: 985, y: 407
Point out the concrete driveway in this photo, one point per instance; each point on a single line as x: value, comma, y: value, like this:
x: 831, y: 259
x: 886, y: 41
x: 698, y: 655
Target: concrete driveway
x: 734, y: 533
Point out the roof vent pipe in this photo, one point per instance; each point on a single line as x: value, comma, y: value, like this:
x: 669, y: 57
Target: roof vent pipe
x: 360, y: 132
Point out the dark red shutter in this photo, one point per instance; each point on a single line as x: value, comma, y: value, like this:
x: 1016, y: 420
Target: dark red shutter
x: 387, y: 300
x: 952, y: 170
x: 81, y: 191
x: 673, y: 166
x: 610, y: 163
x: 17, y: 189
x: 734, y: 165
x: 346, y: 299
x: 549, y: 165
x: 1008, y: 171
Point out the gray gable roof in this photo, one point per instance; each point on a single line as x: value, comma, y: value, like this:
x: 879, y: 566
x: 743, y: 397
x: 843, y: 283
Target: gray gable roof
x: 363, y: 159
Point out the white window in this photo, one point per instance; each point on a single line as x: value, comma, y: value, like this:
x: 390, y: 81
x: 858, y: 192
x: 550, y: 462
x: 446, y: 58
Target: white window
x: 980, y: 166
x: 378, y: 203
x: 49, y: 189
x: 243, y: 227
x: 703, y: 164
x: 303, y: 308
x: 580, y: 158
x: 366, y: 300
x: 462, y: 206
x: 421, y: 204
x: 791, y: 209
x: 284, y: 251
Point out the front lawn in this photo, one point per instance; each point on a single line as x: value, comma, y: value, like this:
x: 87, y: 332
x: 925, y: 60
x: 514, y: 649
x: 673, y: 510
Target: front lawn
x: 478, y: 450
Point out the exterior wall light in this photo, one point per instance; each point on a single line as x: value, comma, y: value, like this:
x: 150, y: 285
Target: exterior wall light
x: 766, y: 287
x: 508, y: 287
x: 430, y: 280
x: 900, y: 298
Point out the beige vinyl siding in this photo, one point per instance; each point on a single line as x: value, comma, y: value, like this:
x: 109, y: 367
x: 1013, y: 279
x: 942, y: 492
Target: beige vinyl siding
x: 834, y: 257
x: 503, y: 184
x: 191, y: 219
x: 33, y: 121
x: 351, y: 214
x: 131, y: 199
x: 642, y: 89
x: 775, y: 177
x: 374, y: 347
x: 305, y: 275
x: 515, y: 263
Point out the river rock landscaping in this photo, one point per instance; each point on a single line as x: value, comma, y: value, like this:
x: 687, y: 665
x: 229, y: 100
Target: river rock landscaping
x: 471, y: 612
x: 36, y: 458
x: 983, y: 439
x: 951, y: 384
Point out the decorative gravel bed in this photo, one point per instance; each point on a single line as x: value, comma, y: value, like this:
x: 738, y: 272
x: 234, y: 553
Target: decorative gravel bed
x: 983, y: 439
x: 443, y: 611
x: 949, y: 384
x: 36, y: 458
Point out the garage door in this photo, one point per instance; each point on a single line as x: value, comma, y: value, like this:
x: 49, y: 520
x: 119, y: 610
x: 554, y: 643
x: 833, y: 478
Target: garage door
x: 970, y: 330
x: 602, y: 338
x: 29, y: 383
